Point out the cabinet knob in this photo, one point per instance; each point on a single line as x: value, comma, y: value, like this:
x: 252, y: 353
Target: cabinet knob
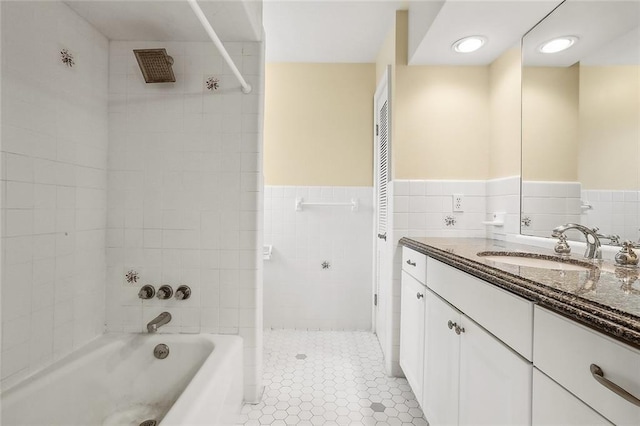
x: 419, y: 295
x: 459, y: 329
x: 410, y: 263
x: 451, y: 324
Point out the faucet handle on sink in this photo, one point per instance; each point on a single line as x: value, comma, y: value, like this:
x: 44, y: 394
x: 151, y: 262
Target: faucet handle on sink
x: 626, y: 256
x: 562, y: 246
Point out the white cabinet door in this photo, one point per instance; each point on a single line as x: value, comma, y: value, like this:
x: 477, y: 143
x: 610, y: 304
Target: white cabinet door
x: 554, y: 405
x: 412, y: 331
x: 495, y: 382
x: 442, y: 349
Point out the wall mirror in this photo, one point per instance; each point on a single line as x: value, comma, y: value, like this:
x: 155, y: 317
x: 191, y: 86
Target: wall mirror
x: 581, y: 121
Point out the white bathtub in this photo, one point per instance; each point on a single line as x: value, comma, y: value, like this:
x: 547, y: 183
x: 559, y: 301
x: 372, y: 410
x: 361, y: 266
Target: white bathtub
x: 116, y: 380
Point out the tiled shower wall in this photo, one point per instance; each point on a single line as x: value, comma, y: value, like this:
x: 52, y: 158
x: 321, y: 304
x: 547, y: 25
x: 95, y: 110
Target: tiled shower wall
x: 185, y: 194
x: 298, y: 291
x: 54, y: 158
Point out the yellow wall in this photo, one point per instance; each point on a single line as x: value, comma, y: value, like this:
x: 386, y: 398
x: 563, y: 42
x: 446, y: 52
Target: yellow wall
x: 441, y: 118
x: 442, y: 123
x: 387, y: 52
x: 550, y: 123
x: 448, y: 122
x: 318, y: 127
x: 609, y: 156
x: 505, y: 116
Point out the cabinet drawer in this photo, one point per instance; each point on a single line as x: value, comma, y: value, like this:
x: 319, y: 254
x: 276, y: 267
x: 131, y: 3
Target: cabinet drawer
x: 565, y: 350
x: 553, y: 405
x: 415, y: 264
x: 505, y: 315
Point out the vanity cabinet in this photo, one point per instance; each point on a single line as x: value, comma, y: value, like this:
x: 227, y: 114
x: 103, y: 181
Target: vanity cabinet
x: 412, y: 311
x: 492, y: 357
x: 469, y: 375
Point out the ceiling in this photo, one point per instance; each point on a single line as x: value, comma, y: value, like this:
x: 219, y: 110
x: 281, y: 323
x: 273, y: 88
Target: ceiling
x: 171, y: 20
x: 333, y: 30
x: 607, y: 34
x: 327, y: 31
x: 353, y: 30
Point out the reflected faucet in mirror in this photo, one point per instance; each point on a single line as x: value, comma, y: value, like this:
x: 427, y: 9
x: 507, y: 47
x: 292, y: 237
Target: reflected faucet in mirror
x: 594, y: 250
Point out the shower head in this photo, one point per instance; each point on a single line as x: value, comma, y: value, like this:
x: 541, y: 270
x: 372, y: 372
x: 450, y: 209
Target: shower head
x: 155, y: 65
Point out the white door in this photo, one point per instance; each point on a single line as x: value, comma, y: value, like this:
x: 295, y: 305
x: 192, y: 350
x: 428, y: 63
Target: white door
x: 382, y: 251
x: 495, y: 382
x: 412, y: 332
x: 441, y: 369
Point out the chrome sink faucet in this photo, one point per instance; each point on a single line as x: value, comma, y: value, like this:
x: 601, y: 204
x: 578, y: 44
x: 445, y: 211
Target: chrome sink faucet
x: 594, y: 250
x: 158, y: 322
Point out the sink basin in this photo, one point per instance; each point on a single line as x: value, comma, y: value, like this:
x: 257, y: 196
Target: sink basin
x: 536, y: 261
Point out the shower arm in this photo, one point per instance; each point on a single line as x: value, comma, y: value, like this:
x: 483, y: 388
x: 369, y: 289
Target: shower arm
x: 246, y: 87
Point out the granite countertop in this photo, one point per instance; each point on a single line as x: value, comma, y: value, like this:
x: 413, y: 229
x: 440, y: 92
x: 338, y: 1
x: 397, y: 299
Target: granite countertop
x: 604, y: 297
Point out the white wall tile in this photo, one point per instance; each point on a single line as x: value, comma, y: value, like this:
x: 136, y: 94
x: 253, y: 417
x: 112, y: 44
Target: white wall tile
x: 56, y: 151
x: 298, y: 292
x: 188, y: 209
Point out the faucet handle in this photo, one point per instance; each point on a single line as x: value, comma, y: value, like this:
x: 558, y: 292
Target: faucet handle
x: 626, y: 256
x: 146, y: 292
x: 562, y: 246
x: 165, y: 292
x: 183, y: 292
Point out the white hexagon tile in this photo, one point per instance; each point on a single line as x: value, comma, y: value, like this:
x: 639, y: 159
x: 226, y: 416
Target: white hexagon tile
x: 329, y: 378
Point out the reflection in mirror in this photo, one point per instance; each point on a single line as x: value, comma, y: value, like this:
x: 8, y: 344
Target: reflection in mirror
x: 581, y: 121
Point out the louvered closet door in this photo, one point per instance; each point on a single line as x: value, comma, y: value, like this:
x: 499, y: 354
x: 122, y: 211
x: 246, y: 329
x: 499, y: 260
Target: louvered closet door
x: 382, y: 149
x: 383, y: 166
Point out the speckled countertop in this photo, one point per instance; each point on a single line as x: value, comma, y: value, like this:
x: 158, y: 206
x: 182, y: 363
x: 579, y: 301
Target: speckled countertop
x: 605, y: 297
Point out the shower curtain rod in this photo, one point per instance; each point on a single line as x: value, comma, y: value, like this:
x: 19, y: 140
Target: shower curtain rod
x: 246, y: 87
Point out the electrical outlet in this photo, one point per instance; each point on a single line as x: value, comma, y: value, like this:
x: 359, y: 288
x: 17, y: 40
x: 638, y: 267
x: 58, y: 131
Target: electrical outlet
x: 458, y: 202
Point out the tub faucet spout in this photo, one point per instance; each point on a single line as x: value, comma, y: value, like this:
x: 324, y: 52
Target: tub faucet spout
x: 158, y: 322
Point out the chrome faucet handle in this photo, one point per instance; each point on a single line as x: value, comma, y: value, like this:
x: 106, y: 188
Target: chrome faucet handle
x: 626, y: 256
x: 146, y: 292
x: 165, y: 292
x: 183, y: 292
x: 562, y: 246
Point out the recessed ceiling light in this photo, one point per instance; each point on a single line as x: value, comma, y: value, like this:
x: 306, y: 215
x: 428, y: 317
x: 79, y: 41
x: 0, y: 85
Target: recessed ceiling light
x: 469, y: 44
x: 558, y: 44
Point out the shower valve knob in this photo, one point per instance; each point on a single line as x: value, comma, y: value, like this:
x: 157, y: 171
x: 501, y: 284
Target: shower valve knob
x: 147, y: 292
x: 183, y: 292
x: 165, y: 292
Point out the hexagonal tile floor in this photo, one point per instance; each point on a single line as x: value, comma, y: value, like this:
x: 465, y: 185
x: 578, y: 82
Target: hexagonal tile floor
x: 329, y: 378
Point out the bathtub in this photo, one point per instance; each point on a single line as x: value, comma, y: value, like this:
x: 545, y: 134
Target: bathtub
x: 117, y: 380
